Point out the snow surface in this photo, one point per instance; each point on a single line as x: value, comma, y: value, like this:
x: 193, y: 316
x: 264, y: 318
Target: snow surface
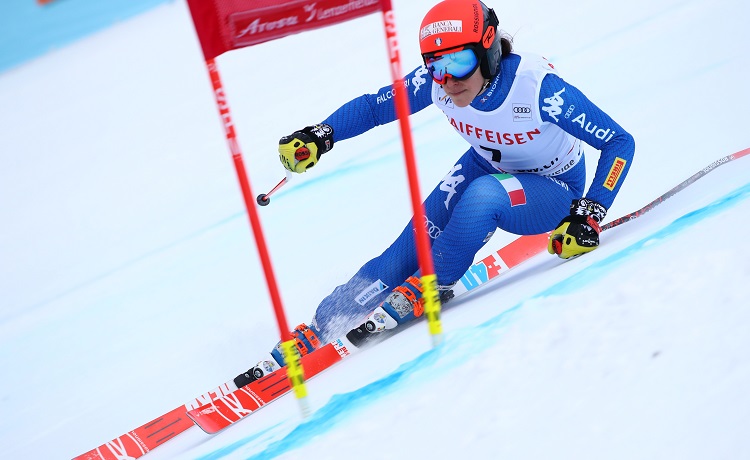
x: 130, y: 280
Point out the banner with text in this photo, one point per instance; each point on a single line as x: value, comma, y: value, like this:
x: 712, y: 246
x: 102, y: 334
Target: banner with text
x: 224, y: 25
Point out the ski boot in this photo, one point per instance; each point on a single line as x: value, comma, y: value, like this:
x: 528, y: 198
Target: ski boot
x: 402, y: 305
x: 305, y: 340
x: 406, y: 302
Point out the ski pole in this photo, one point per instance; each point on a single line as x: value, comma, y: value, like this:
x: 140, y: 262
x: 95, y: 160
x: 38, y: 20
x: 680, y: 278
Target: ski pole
x: 676, y: 189
x: 265, y: 198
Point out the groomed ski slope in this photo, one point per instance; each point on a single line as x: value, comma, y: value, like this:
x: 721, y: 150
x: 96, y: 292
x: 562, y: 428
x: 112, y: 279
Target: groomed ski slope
x: 130, y: 282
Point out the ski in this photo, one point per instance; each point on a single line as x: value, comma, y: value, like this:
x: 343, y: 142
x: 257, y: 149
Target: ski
x: 139, y: 441
x: 222, y: 412
x: 237, y: 403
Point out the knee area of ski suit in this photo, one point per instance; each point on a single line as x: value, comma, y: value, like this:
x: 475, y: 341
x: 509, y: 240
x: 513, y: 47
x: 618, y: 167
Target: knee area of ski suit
x: 522, y: 204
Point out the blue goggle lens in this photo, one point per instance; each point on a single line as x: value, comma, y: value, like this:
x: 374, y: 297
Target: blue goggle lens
x: 458, y: 65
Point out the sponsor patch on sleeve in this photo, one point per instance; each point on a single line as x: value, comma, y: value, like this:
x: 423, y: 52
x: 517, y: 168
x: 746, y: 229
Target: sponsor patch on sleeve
x: 615, y: 173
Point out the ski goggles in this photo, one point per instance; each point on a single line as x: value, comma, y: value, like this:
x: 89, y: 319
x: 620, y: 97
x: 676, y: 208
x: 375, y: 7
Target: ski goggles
x: 457, y: 64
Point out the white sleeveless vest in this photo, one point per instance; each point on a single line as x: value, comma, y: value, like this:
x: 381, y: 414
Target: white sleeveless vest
x: 513, y: 137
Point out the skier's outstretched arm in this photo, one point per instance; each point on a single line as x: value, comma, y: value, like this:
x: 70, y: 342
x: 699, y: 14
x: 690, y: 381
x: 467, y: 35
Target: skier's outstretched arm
x: 303, y: 149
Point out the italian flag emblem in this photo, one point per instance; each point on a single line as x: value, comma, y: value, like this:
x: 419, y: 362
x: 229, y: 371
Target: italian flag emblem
x: 513, y: 187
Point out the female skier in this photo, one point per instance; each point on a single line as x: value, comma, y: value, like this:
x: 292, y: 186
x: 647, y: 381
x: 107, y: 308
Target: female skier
x: 524, y: 171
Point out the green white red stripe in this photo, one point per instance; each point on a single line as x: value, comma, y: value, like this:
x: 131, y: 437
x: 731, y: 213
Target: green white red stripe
x: 513, y: 187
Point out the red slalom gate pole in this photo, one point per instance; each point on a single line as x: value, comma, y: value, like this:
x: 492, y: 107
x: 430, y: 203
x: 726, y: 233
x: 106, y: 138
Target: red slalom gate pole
x: 294, y: 367
x: 424, y: 250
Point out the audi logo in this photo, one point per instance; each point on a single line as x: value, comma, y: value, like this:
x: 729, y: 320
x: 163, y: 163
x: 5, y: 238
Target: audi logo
x: 521, y: 109
x: 432, y: 230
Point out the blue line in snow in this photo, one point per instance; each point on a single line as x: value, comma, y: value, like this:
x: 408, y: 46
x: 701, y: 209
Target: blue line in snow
x: 342, y: 406
x: 675, y: 227
x: 29, y: 31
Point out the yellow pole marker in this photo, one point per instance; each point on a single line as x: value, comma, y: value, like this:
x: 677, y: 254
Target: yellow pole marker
x: 296, y: 374
x: 432, y: 308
